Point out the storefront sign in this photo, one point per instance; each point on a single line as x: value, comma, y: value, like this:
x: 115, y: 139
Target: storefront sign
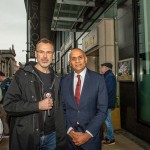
x: 34, y: 25
x: 91, y: 40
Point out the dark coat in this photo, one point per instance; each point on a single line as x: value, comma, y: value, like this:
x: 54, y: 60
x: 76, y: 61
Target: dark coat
x: 92, y: 109
x: 21, y: 103
x: 110, y: 81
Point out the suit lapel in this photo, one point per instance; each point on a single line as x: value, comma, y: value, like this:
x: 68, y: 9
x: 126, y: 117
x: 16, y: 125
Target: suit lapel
x: 85, y: 88
x: 71, y: 88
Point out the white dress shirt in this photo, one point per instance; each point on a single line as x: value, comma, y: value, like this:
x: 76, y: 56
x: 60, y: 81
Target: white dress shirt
x: 82, y: 77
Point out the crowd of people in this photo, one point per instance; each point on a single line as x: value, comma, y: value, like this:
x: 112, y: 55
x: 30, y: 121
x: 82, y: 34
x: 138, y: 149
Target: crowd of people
x: 49, y: 112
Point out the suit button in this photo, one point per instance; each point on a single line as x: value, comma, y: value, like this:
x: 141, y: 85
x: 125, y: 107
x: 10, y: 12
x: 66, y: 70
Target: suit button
x: 37, y: 129
x: 77, y: 123
x: 78, y: 111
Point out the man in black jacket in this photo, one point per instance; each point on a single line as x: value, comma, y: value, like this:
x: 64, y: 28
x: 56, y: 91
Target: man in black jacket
x: 33, y: 104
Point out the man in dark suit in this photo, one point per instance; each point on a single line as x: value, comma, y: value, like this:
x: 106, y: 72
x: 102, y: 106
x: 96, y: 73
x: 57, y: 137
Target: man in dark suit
x: 84, y: 95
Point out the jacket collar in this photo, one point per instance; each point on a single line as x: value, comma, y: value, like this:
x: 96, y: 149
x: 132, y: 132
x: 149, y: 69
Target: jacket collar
x: 107, y: 72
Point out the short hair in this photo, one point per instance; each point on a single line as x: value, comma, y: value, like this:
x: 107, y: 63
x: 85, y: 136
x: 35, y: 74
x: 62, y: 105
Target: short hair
x: 44, y: 40
x: 2, y: 74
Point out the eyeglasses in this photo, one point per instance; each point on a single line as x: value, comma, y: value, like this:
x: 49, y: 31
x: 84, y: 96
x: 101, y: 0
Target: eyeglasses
x: 43, y: 53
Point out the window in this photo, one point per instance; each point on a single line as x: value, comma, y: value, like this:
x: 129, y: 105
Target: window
x: 144, y: 59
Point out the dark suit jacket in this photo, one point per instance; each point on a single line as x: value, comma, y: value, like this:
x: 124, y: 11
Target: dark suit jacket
x: 92, y: 109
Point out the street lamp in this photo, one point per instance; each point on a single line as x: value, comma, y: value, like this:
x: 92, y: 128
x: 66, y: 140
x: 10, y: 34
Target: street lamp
x: 27, y: 55
x: 27, y: 52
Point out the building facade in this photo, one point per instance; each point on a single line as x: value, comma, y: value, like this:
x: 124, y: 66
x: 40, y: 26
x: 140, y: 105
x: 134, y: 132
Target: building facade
x: 8, y: 62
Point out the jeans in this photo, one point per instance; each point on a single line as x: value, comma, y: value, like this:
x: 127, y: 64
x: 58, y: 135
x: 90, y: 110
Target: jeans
x: 110, y: 130
x: 48, y: 142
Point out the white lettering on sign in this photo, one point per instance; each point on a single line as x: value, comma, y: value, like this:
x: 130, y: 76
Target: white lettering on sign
x: 34, y: 6
x: 34, y: 25
x: 35, y: 21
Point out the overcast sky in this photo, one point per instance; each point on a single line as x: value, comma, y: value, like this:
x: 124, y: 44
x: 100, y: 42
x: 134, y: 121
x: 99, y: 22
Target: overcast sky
x: 13, y: 27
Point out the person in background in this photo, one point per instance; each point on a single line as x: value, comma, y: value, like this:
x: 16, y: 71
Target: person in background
x: 84, y: 96
x: 32, y: 102
x: 110, y: 80
x: 4, y: 84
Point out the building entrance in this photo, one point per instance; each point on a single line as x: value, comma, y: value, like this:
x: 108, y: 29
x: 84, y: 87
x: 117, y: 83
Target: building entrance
x: 93, y: 61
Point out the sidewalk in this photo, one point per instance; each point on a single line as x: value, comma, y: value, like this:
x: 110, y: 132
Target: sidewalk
x: 126, y: 141
x: 4, y: 143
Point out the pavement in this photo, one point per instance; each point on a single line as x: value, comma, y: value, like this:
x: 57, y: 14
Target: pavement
x: 4, y: 143
x: 124, y: 141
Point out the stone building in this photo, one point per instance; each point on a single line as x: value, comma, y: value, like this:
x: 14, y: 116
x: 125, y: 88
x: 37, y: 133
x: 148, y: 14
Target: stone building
x: 7, y: 61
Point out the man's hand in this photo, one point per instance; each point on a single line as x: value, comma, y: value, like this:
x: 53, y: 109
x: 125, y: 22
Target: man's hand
x: 82, y: 138
x: 73, y: 135
x: 46, y: 104
x: 79, y: 138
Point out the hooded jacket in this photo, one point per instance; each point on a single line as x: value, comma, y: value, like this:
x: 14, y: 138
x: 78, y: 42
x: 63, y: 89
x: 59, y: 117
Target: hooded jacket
x: 21, y: 103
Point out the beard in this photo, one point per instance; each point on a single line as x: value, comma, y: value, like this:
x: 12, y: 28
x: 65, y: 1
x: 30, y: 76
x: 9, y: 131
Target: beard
x: 44, y: 63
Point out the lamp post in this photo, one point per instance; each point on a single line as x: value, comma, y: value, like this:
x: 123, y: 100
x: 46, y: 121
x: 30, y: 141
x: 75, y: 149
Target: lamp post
x: 27, y: 53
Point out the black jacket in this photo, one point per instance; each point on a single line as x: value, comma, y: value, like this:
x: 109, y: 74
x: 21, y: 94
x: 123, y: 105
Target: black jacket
x: 21, y: 103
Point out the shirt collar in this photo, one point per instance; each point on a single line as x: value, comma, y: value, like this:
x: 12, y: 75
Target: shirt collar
x: 82, y: 74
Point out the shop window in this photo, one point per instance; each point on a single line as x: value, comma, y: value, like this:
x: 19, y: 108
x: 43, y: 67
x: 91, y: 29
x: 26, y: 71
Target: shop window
x: 144, y: 59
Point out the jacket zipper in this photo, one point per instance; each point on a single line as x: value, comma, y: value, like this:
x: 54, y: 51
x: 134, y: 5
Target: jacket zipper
x: 41, y: 97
